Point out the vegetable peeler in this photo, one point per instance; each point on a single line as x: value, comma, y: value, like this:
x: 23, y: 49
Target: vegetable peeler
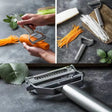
x: 96, y: 4
x: 84, y: 43
x: 65, y: 80
x: 40, y: 36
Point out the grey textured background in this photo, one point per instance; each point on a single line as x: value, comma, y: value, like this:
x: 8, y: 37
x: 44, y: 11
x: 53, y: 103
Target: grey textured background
x: 16, y: 53
x: 67, y: 55
x: 15, y: 98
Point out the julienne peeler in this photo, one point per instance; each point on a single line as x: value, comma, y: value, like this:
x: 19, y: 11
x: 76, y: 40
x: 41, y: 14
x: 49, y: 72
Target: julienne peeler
x: 64, y: 81
x: 40, y: 36
x: 96, y: 4
x: 85, y: 42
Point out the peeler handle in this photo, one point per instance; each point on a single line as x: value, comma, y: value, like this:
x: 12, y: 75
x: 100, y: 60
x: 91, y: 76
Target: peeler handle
x: 28, y: 29
x: 99, y: 18
x: 84, y: 100
x: 80, y: 52
x: 25, y: 26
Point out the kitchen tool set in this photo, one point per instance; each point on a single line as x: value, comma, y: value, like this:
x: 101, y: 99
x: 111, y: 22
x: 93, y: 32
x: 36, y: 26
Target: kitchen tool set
x: 98, y: 23
x: 67, y: 81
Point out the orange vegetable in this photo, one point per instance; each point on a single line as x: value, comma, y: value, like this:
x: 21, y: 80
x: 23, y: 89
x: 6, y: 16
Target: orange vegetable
x: 72, y: 35
x: 10, y: 40
x: 40, y: 44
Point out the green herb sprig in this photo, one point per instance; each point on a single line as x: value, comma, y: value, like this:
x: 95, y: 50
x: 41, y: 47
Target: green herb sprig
x: 106, y: 57
x: 12, y: 21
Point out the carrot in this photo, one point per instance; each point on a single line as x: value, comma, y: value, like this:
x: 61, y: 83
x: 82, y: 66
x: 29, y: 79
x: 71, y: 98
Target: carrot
x: 72, y: 35
x: 24, y: 38
x: 10, y: 40
x: 40, y: 44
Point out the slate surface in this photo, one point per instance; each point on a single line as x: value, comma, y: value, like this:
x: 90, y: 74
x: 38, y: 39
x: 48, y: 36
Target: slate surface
x: 67, y: 55
x: 16, y: 53
x: 14, y: 98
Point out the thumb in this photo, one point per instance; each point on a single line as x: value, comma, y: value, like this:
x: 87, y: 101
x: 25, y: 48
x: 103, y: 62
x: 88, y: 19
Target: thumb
x: 26, y: 46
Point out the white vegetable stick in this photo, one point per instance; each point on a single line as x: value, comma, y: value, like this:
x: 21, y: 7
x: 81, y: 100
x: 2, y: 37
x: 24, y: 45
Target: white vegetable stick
x: 65, y: 15
x: 95, y: 27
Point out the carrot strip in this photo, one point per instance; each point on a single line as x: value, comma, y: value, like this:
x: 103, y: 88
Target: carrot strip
x: 72, y: 35
x: 10, y: 40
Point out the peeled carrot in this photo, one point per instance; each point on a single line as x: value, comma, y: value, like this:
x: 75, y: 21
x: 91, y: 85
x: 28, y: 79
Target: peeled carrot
x: 73, y: 34
x: 24, y: 38
x: 10, y: 40
x: 40, y: 44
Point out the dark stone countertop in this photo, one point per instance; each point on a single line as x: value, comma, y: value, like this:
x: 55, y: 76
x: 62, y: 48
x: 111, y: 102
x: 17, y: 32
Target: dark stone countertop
x: 16, y: 53
x: 15, y: 98
x: 67, y: 55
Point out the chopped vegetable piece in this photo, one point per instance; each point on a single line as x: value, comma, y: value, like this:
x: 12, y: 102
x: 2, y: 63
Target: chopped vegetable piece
x: 66, y: 15
x: 73, y: 34
x: 95, y: 28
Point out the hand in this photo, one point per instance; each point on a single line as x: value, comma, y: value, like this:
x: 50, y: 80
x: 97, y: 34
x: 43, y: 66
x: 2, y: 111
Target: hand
x: 47, y: 55
x: 34, y: 20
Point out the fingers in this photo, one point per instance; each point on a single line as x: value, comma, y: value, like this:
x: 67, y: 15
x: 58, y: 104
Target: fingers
x: 22, y: 26
x: 23, y: 22
x: 26, y: 46
x: 26, y: 16
x: 32, y: 27
x: 26, y: 19
x: 34, y: 51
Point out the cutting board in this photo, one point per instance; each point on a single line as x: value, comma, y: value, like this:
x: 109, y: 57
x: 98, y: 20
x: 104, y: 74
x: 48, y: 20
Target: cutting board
x: 106, y: 14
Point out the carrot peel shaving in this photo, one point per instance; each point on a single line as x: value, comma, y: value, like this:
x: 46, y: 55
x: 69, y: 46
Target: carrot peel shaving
x: 72, y: 35
x: 10, y: 40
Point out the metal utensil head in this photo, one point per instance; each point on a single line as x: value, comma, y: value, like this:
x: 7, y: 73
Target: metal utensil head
x: 94, y: 4
x: 86, y: 41
x: 40, y: 36
x: 51, y: 83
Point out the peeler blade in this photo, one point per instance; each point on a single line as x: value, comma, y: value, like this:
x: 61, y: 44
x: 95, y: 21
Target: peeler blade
x: 51, y: 83
x: 41, y: 36
x: 94, y: 4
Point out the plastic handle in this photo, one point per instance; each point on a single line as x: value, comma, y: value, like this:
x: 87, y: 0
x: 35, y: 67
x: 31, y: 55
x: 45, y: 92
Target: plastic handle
x: 80, y: 52
x: 98, y: 15
x: 84, y: 100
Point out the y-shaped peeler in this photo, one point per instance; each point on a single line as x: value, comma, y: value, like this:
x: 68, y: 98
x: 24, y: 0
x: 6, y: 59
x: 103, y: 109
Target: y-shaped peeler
x: 65, y: 81
x: 40, y: 36
x: 85, y: 42
x: 96, y: 4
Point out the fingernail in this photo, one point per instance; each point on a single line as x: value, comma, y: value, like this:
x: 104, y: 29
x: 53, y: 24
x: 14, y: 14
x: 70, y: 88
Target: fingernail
x: 23, y: 43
